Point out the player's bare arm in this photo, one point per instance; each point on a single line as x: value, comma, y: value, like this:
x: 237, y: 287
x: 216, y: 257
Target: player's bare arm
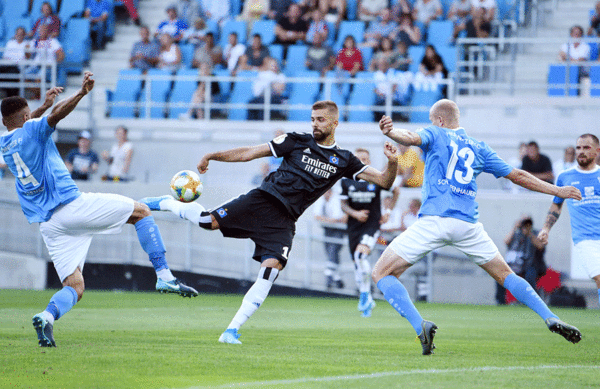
x: 551, y: 218
x: 48, y: 102
x: 239, y: 154
x: 386, y: 178
x: 362, y: 215
x: 66, y: 106
x: 529, y: 181
x: 405, y: 137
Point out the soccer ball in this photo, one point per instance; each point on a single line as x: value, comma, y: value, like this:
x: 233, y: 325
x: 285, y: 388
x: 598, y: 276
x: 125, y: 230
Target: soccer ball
x: 186, y: 186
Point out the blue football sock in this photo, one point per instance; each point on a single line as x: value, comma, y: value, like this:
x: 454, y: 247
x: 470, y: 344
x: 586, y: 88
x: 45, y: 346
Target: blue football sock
x: 396, y: 294
x: 526, y: 295
x: 152, y: 243
x: 62, y: 302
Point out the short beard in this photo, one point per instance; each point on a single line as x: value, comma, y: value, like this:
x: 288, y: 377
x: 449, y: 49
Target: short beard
x: 319, y: 136
x: 586, y: 163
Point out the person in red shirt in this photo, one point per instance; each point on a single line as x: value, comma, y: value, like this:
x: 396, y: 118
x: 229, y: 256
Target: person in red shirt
x: 349, y: 57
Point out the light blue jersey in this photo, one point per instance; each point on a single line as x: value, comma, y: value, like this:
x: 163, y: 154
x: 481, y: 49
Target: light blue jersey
x: 585, y: 214
x: 42, y: 179
x: 452, y: 162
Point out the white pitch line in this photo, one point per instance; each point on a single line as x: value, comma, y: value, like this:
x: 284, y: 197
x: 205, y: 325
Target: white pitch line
x: 392, y: 374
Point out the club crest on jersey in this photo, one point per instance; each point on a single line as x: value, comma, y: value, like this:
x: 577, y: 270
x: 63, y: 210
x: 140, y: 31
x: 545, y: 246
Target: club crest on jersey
x: 222, y: 212
x: 334, y: 160
x: 371, y: 187
x: 589, y: 191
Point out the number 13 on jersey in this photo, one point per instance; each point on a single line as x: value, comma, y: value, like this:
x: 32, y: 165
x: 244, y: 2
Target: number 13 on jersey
x: 463, y: 174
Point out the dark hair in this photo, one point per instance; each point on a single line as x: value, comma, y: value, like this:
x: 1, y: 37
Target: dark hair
x: 257, y: 35
x: 576, y: 27
x: 526, y: 222
x: 233, y: 33
x: 592, y: 136
x: 533, y: 143
x: 486, y: 26
x: 49, y: 5
x: 12, y: 105
x: 210, y: 34
x: 326, y: 104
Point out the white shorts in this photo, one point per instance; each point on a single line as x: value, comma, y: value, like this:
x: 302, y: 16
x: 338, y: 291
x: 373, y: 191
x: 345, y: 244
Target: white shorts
x: 69, y: 231
x: 432, y: 232
x: 588, y: 252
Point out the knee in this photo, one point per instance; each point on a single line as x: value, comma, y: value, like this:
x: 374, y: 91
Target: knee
x: 143, y: 211
x: 79, y: 287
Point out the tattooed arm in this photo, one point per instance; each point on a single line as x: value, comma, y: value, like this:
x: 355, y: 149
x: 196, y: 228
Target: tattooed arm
x: 553, y: 215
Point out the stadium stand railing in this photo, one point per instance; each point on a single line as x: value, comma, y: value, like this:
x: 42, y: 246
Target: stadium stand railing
x: 29, y: 75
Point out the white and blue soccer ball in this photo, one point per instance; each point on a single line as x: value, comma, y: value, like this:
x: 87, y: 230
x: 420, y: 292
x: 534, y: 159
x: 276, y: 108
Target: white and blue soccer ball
x: 186, y: 186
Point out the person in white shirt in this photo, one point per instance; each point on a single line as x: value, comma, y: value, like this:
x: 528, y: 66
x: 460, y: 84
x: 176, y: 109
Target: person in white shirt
x: 233, y: 51
x: 14, y: 51
x: 410, y: 216
x: 119, y: 158
x: 566, y: 163
x: 425, y: 11
x: 273, y: 78
x: 575, y: 50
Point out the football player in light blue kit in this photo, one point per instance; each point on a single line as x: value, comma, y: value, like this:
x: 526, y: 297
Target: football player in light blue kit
x: 448, y: 217
x: 68, y: 218
x: 585, y: 214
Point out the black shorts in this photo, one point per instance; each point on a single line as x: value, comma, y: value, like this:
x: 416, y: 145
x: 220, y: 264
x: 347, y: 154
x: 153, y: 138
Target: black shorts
x: 367, y: 236
x: 262, y: 218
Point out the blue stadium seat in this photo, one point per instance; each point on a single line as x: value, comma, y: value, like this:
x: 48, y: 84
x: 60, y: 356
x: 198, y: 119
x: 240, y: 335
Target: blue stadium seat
x: 213, y: 26
x: 237, y: 26
x: 241, y: 94
x: 415, y: 53
x: 236, y: 7
x: 69, y: 9
x: 354, y: 28
x: 424, y: 100
x: 351, y: 9
x: 593, y: 51
x: 557, y: 79
x: 363, y: 95
x: 15, y: 8
x: 187, y: 54
x: 448, y: 54
x: 126, y: 92
x: 182, y: 92
x: 367, y: 54
x: 76, y: 45
x: 224, y: 86
x: 507, y: 9
x: 595, y: 80
x: 11, y: 24
x: 331, y: 32
x: 266, y: 30
x: 446, y: 5
x: 303, y: 93
x: 276, y: 51
x: 296, y: 60
x: 440, y: 32
x: 111, y: 22
x: 36, y: 8
x: 159, y: 91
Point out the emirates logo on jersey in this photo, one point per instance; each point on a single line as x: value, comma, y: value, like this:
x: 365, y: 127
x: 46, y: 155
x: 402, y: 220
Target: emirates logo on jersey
x: 318, y: 168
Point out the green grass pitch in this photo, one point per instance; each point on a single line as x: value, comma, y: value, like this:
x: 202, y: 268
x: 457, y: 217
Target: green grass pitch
x: 148, y: 340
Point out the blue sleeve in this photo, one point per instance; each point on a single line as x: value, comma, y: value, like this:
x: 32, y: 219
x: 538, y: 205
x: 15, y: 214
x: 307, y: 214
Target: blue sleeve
x: 39, y: 129
x: 182, y: 25
x: 105, y: 7
x: 427, y: 137
x: 559, y: 182
x: 496, y: 165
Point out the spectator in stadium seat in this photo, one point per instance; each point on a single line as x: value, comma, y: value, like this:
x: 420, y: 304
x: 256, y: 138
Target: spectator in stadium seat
x: 144, y: 53
x: 195, y: 35
x: 47, y: 50
x: 97, y: 11
x: 594, y: 29
x: 119, y: 158
x: 459, y: 14
x: 82, y: 161
x: 369, y: 10
x: 132, y: 11
x: 196, y: 110
x: 15, y: 51
x: 384, y: 50
x: 407, y: 31
x: 209, y: 53
x: 401, y: 60
x: 432, y: 65
x: 317, y: 26
x: 575, y: 50
x: 255, y: 55
x: 319, y: 56
x: 232, y: 53
x: 278, y: 8
x: 170, y: 55
x: 334, y: 11
x: 188, y: 10
x: 48, y: 18
x: 537, y: 164
x: 291, y: 28
x: 410, y: 215
x: 385, y: 86
x: 269, y: 78
x: 173, y: 25
x: 379, y: 29
x: 479, y: 25
x: 487, y: 8
x: 424, y: 11
x: 399, y: 8
x: 567, y: 162
x: 217, y: 10
x: 254, y: 10
x: 349, y: 57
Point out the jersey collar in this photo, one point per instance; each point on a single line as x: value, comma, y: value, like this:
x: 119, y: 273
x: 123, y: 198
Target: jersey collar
x: 594, y: 170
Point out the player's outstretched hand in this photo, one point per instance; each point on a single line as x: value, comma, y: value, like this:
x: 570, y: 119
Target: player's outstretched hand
x: 88, y: 83
x: 386, y: 125
x: 543, y: 236
x: 390, y: 151
x: 362, y: 215
x: 569, y: 192
x: 203, y: 165
x: 51, y: 95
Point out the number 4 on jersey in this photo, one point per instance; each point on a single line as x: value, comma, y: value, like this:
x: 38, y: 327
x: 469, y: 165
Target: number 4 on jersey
x: 23, y: 173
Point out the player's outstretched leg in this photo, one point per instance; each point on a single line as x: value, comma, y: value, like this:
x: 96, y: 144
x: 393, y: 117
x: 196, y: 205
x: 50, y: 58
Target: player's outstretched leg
x: 152, y: 243
x: 363, y: 278
x: 190, y: 211
x: 59, y: 305
x: 567, y: 331
x: 251, y: 302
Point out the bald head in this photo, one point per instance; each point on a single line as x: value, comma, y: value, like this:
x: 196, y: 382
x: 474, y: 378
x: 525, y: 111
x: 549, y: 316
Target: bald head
x: 445, y: 114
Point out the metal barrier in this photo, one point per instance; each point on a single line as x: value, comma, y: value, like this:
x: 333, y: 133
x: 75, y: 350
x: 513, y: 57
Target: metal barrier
x: 31, y: 73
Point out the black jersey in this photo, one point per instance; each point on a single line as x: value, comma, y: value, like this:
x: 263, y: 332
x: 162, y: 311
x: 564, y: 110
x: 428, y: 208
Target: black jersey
x: 362, y: 195
x: 308, y: 170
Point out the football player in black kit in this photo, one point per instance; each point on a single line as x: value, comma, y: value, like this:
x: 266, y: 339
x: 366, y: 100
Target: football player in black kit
x: 312, y: 163
x: 361, y: 200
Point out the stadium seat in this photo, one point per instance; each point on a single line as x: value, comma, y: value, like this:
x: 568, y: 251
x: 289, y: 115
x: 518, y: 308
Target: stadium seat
x: 76, y: 44
x: 439, y: 32
x: 446, y: 5
x: 187, y: 54
x: 557, y: 79
x: 593, y: 51
x: 303, y: 93
x: 183, y: 90
x: 213, y: 26
x: 127, y: 93
x: 236, y: 7
x: 110, y: 22
x: 11, y: 24
x: 36, y: 8
x: 415, y: 53
x: 241, y: 94
x: 266, y: 30
x: 351, y: 9
x: 331, y: 32
x: 276, y: 51
x: 296, y: 60
x: 159, y: 91
x: 15, y: 8
x: 448, y: 54
x: 421, y: 102
x: 595, y: 80
x: 237, y: 26
x: 363, y: 95
x: 367, y: 54
x: 355, y: 28
x: 507, y: 9
x: 70, y: 9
